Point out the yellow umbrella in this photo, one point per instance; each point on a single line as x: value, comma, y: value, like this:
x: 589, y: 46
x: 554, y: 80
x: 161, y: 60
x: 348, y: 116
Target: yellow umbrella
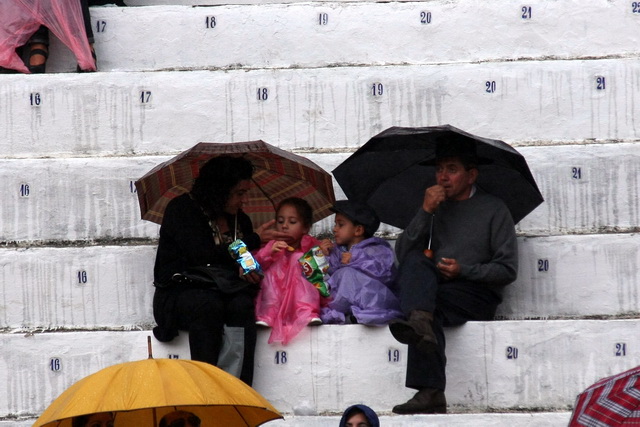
x: 141, y: 393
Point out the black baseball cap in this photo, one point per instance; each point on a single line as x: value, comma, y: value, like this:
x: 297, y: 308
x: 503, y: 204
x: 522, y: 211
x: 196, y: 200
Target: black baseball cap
x: 359, y: 213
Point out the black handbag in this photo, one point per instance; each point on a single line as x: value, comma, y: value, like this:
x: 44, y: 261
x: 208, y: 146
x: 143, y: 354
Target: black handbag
x: 210, y: 277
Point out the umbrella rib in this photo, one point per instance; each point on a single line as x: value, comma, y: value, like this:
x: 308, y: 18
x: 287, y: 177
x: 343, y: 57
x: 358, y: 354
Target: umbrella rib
x: 240, y: 414
x: 264, y: 193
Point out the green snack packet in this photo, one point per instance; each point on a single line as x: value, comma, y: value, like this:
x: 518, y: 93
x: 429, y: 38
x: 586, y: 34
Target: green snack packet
x: 314, y: 267
x: 241, y: 254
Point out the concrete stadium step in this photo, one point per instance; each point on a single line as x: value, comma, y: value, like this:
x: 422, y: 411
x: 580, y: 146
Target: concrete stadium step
x: 326, y: 108
x: 68, y: 199
x: 502, y: 365
x: 587, y: 190
x: 544, y: 419
x: 77, y: 287
x: 111, y: 286
x: 342, y: 33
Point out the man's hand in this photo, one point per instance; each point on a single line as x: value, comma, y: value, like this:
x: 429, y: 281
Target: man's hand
x: 267, y: 233
x: 433, y: 196
x: 449, y: 268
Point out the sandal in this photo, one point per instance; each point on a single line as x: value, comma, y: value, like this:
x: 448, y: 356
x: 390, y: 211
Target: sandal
x: 37, y: 49
x: 95, y: 61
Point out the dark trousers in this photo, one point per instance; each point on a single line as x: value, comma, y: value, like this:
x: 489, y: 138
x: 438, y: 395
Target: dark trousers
x: 204, y: 312
x: 452, y: 304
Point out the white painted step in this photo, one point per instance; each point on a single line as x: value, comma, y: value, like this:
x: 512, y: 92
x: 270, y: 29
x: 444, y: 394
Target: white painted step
x: 111, y: 286
x: 317, y: 34
x: 326, y: 108
x: 587, y: 189
x: 498, y: 365
x: 544, y: 419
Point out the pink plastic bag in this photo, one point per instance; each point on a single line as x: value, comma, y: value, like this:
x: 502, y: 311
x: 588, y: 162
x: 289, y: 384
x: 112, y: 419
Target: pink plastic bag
x: 21, y: 18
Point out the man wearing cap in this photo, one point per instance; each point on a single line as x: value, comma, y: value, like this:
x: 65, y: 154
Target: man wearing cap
x: 455, y: 257
x: 361, y: 268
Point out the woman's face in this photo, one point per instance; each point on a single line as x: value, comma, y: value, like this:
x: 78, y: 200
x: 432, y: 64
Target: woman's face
x: 358, y: 420
x: 237, y: 197
x: 288, y: 221
x: 104, y: 419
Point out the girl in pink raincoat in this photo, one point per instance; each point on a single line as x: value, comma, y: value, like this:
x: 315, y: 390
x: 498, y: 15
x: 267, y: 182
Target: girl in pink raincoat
x: 21, y: 19
x: 287, y: 302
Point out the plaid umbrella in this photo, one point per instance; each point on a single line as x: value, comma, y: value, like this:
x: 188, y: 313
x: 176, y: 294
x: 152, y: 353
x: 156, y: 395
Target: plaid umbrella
x: 278, y: 175
x: 612, y: 401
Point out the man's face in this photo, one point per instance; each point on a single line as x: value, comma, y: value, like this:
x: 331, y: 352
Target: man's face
x: 456, y: 180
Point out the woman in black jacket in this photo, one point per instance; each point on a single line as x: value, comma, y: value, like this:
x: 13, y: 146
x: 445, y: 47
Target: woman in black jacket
x: 196, y: 231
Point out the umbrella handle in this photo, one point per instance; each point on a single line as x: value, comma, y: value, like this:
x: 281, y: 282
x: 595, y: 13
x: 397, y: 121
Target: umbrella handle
x: 428, y: 252
x: 149, y: 347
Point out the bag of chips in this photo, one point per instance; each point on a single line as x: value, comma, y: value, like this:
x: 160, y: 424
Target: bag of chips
x: 239, y: 251
x: 314, y: 267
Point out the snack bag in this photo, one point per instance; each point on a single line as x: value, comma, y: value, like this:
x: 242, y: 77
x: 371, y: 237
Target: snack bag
x: 241, y: 254
x: 314, y: 266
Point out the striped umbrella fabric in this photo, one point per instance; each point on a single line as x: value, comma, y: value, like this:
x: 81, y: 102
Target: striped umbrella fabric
x: 612, y: 401
x: 278, y: 175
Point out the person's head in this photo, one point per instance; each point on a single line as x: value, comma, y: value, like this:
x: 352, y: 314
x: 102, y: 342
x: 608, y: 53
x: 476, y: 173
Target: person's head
x: 359, y: 416
x: 222, y: 185
x: 354, y: 222
x: 457, y: 167
x: 294, y: 216
x: 102, y: 419
x: 179, y: 419
x: 456, y: 177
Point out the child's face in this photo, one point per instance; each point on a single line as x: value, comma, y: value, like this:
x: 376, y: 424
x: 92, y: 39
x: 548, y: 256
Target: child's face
x: 288, y: 221
x: 344, y: 231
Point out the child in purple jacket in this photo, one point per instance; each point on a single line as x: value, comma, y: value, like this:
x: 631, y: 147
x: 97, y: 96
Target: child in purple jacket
x: 362, y: 271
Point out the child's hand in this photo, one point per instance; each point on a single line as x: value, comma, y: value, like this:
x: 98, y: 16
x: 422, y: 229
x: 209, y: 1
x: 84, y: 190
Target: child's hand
x: 346, y: 257
x: 279, y: 246
x: 325, y: 246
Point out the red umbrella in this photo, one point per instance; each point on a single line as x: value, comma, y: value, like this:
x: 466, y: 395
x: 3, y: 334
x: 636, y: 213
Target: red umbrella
x: 612, y: 401
x: 278, y: 175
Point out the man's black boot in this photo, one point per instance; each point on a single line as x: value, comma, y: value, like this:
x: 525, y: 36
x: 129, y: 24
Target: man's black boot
x: 425, y: 401
x: 416, y: 331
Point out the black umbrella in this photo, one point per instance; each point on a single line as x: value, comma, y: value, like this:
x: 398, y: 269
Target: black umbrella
x: 389, y: 172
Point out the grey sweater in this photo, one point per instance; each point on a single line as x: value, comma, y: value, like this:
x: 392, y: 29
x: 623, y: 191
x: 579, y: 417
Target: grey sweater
x: 478, y: 232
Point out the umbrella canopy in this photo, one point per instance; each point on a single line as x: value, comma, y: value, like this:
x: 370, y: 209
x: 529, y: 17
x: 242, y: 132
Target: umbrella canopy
x: 141, y: 393
x: 278, y: 175
x: 612, y: 401
x: 390, y: 175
